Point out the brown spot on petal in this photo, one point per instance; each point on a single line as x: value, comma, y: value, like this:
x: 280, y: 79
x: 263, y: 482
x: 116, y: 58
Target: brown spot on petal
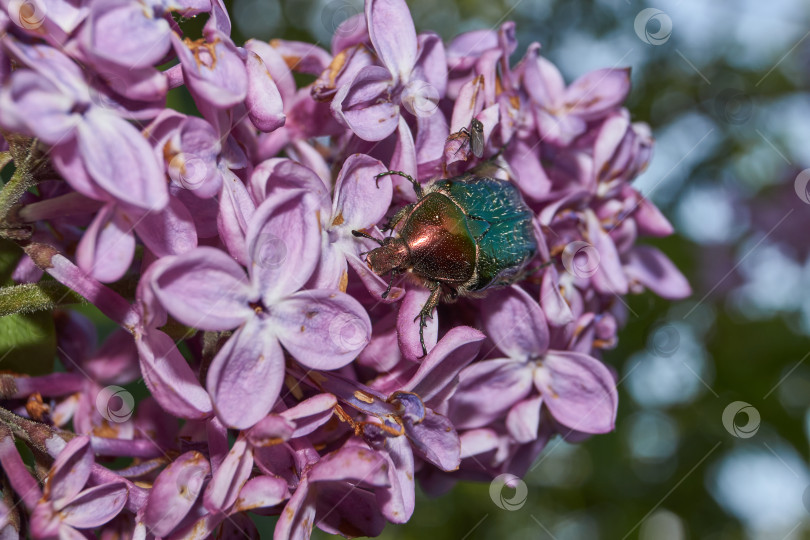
x: 303, y: 328
x: 105, y: 430
x: 199, y: 45
x: 336, y: 66
x: 311, y: 314
x: 363, y: 396
x: 344, y: 281
x: 339, y: 220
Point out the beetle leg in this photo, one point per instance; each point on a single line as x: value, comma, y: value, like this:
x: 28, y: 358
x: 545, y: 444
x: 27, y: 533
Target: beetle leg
x: 417, y: 187
x: 361, y: 234
x: 425, y: 312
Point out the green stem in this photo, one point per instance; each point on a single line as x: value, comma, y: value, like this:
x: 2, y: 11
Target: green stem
x: 32, y: 297
x: 22, y: 179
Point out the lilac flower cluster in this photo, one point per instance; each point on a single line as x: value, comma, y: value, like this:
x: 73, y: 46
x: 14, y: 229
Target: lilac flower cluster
x: 282, y: 381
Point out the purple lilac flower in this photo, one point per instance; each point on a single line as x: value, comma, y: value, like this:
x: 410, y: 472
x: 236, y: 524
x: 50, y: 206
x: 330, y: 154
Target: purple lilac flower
x: 254, y: 318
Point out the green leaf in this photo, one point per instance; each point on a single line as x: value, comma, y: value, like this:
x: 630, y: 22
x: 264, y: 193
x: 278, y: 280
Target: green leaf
x: 27, y: 343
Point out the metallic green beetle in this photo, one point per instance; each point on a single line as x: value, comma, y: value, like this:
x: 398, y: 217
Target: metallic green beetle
x: 462, y: 237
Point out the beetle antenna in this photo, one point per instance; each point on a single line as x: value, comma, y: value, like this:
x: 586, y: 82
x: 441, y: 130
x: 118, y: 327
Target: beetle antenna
x: 390, y: 284
x: 417, y: 187
x: 361, y: 234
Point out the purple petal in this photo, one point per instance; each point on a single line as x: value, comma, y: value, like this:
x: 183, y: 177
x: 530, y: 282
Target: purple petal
x: 298, y: 517
x: 361, y: 200
x: 214, y: 72
x: 323, y: 329
x: 283, y: 242
x: 531, y: 177
x: 431, y: 66
x: 229, y: 478
x: 364, y: 107
x: 598, y: 91
x: 261, y: 492
x: 435, y: 440
x: 440, y: 368
x: 284, y: 173
x: 579, y: 391
x: 276, y: 66
x: 235, y: 211
x: 271, y: 430
x: 400, y: 498
x: 170, y: 379
x: 32, y: 104
x: 469, y: 103
x: 69, y: 472
x: 263, y: 102
x: 432, y: 131
x: 611, y: 135
x: 404, y: 157
x: 311, y: 413
x: 95, y: 506
x: 101, y: 34
x: 355, y: 464
x: 559, y: 128
x: 204, y: 289
x: 609, y: 277
x: 523, y: 420
x: 17, y: 474
x: 408, y: 324
x: 246, y: 375
x: 393, y: 35
x: 648, y: 266
x: 120, y: 160
x: 53, y: 64
x: 169, y: 231
x: 650, y: 220
x: 108, y: 245
x: 516, y: 323
x: 174, y: 492
x: 478, y: 441
x: 557, y: 310
x: 543, y: 80
x: 487, y: 389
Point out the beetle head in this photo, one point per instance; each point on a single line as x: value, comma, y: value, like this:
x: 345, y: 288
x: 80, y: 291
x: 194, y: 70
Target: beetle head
x: 392, y: 254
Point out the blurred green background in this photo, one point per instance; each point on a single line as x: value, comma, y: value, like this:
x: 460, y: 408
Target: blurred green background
x: 724, y: 86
